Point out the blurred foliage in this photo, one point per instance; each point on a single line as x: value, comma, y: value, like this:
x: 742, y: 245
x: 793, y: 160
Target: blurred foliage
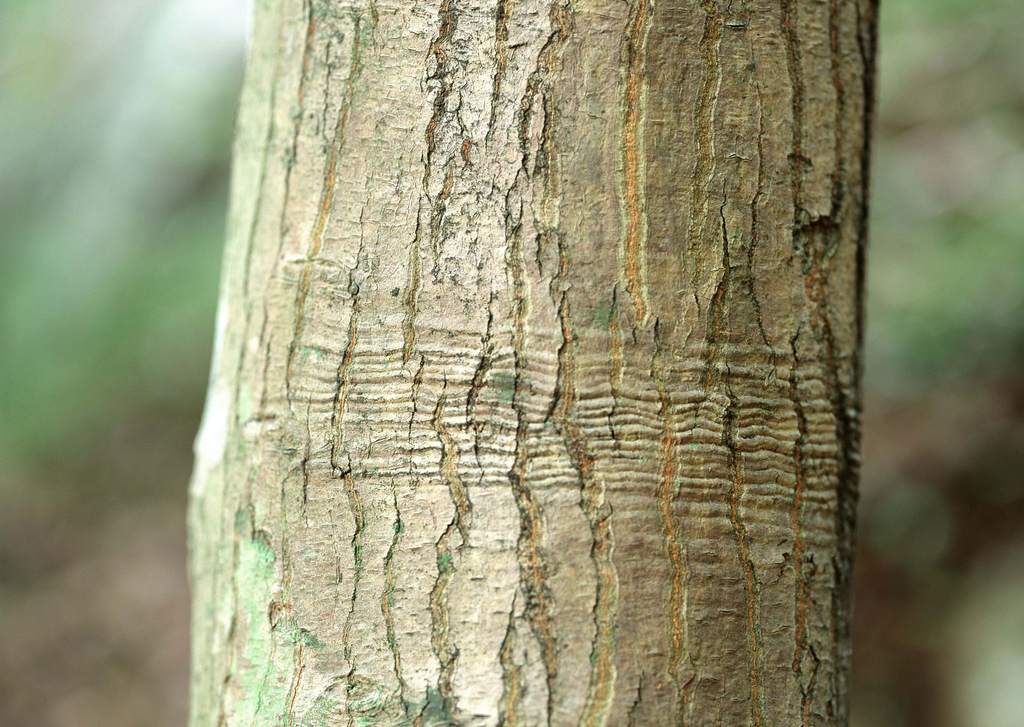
x: 114, y: 152
x: 938, y: 637
x: 117, y: 122
x: 945, y: 293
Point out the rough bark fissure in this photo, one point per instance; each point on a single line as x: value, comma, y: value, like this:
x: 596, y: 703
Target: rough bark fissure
x: 703, y: 132
x: 327, y: 195
x: 752, y: 587
x: 632, y: 151
x: 447, y: 558
x: 673, y: 546
x: 793, y: 66
x: 592, y: 493
x: 535, y: 392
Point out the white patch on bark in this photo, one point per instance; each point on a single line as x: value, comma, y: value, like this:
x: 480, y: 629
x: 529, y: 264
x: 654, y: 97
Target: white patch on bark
x: 211, y: 441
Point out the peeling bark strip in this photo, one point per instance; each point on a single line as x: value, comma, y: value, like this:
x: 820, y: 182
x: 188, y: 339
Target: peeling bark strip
x: 535, y: 399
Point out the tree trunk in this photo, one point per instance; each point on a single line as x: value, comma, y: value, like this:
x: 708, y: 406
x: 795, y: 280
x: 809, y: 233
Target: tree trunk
x: 535, y: 397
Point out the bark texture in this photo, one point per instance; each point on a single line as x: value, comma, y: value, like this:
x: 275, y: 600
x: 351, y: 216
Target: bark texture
x: 535, y: 397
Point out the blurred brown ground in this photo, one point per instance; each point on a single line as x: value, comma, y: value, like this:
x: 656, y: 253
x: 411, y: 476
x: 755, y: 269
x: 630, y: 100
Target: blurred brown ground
x: 116, y: 124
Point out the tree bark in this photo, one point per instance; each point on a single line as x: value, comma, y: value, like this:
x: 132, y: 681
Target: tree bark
x: 535, y: 394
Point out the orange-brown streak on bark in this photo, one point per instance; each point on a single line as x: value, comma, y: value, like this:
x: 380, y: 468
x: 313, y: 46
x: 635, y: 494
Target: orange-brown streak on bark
x: 311, y: 25
x: 634, y: 257
x: 297, y: 681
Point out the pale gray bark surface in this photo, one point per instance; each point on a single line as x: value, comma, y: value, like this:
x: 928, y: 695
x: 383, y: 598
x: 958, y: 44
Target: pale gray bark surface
x: 535, y: 399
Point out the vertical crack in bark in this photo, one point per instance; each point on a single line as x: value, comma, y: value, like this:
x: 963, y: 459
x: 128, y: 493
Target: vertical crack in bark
x: 511, y: 679
x: 417, y: 381
x: 817, y: 291
x: 631, y: 713
x: 617, y: 367
x: 339, y: 405
x: 755, y: 230
x: 547, y: 173
x: 839, y: 172
x: 847, y: 438
x: 673, y: 544
x: 357, y: 543
x: 796, y: 81
x: 592, y: 503
x: 533, y: 577
x: 409, y: 300
x: 251, y: 236
x: 387, y: 597
x: 326, y: 204
x: 501, y: 16
x: 560, y: 18
x: 443, y: 77
x: 304, y: 466
x: 448, y: 557
x: 483, y: 366
x: 866, y: 47
x: 704, y: 167
x: 802, y: 592
x: 437, y: 213
x: 267, y: 145
x: 752, y: 586
x: 635, y: 234
x: 847, y: 430
x: 250, y: 244
x: 530, y: 579
x: 818, y: 240
x: 718, y: 324
x: 282, y: 226
x: 343, y: 375
x: 603, y: 674
x: 476, y: 384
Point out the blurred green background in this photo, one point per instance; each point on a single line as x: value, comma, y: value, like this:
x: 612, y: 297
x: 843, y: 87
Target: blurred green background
x: 115, y: 132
